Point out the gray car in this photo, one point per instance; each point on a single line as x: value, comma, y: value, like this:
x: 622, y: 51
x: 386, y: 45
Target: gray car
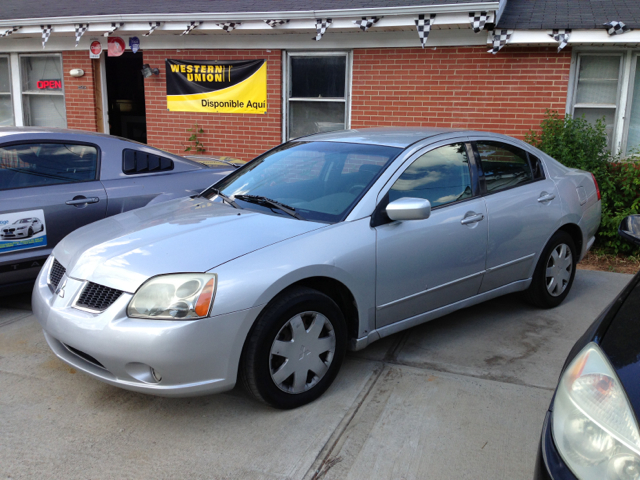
x: 324, y: 243
x: 58, y: 180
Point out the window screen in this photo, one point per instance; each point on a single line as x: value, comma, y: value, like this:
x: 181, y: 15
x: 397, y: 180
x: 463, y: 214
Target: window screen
x: 317, y: 94
x: 440, y: 176
x: 6, y: 108
x: 41, y: 164
x: 596, y: 94
x: 42, y: 91
x: 504, y: 165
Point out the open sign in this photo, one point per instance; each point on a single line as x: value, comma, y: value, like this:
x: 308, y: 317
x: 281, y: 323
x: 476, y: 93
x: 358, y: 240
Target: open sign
x: 49, y: 84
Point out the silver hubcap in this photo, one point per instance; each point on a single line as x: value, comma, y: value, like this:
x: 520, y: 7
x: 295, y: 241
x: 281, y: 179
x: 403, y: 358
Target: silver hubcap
x: 302, y: 352
x: 559, y: 268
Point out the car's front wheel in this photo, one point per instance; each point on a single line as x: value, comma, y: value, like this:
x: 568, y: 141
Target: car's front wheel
x: 295, y: 350
x: 554, y: 273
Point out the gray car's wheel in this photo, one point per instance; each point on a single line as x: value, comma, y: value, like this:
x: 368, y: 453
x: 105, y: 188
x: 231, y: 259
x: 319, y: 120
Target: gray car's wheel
x: 295, y: 349
x: 30, y: 232
x: 554, y: 272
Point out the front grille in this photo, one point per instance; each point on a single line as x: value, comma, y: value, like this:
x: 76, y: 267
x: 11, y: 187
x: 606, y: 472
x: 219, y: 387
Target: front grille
x: 56, y: 273
x: 97, y: 297
x: 84, y: 356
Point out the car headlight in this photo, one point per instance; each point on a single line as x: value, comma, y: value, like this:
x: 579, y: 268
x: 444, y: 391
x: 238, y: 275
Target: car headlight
x: 593, y: 425
x: 183, y: 296
x: 21, y: 228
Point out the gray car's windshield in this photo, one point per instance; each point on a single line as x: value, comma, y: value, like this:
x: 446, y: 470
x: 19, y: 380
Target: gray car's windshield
x: 24, y: 220
x: 320, y: 180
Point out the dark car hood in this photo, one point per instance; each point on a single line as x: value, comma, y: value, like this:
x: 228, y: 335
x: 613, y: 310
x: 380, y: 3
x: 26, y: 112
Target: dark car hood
x: 621, y: 343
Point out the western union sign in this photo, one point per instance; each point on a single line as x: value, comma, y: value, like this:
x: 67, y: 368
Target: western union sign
x: 229, y: 86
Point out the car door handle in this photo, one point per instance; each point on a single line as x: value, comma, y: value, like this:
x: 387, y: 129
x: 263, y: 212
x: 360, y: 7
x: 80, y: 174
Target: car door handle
x: 472, y: 219
x: 546, y: 197
x: 82, y: 201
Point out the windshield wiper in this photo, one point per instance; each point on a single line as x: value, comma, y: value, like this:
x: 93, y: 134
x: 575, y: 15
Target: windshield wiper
x: 215, y: 191
x: 267, y: 202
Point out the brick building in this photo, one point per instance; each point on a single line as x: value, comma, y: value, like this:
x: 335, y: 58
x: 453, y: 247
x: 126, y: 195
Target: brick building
x: 376, y: 76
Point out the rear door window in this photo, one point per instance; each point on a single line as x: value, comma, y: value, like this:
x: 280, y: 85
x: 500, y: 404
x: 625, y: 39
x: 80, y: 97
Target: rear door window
x: 504, y: 166
x: 39, y: 164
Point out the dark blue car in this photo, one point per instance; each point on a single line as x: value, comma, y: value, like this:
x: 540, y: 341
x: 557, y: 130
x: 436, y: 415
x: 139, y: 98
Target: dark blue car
x: 591, y: 430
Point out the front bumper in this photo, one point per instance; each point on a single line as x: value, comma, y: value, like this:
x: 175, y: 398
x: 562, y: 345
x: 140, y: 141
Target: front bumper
x: 22, y: 234
x: 549, y: 464
x: 192, y: 358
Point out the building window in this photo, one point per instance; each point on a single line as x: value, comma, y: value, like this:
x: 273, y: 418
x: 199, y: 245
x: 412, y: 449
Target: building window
x: 607, y: 86
x: 6, y: 105
x: 317, y: 93
x: 42, y: 90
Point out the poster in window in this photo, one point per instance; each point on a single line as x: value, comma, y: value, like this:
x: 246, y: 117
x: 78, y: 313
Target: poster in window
x: 229, y: 86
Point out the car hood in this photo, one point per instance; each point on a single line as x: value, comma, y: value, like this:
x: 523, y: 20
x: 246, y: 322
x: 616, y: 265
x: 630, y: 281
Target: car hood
x: 184, y: 235
x: 620, y: 343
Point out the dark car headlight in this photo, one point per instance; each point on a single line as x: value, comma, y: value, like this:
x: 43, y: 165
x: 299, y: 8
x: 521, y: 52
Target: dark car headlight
x: 593, y: 425
x: 182, y: 296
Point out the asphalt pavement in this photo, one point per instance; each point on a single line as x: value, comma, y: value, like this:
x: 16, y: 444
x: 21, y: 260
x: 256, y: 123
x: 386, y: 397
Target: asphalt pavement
x: 461, y: 397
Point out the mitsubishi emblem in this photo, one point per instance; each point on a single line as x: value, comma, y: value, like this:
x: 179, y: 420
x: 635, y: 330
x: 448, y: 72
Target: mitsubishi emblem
x: 60, y: 289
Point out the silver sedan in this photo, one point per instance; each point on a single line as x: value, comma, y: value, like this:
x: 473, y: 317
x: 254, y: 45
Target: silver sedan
x: 324, y: 243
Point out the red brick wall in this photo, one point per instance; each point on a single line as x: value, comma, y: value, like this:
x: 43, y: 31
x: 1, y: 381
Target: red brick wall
x: 79, y: 92
x: 459, y: 87
x: 237, y: 135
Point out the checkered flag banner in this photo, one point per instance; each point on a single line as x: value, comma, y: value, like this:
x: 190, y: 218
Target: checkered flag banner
x: 498, y: 39
x: 46, y: 33
x: 478, y: 20
x: 275, y: 23
x: 228, y: 26
x: 561, y: 36
x: 80, y: 29
x: 114, y: 27
x: 424, y: 27
x: 10, y: 31
x: 152, y: 28
x: 616, y: 28
x: 191, y: 27
x: 321, y: 27
x: 366, y: 23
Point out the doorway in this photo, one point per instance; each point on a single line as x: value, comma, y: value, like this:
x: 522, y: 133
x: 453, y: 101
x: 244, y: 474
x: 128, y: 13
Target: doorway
x: 125, y: 94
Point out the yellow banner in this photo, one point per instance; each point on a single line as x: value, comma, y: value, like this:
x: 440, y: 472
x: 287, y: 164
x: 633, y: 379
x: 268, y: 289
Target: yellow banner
x: 248, y: 96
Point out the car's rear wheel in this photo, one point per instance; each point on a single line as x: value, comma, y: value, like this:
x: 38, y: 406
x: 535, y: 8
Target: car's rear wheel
x: 554, y: 273
x: 295, y: 350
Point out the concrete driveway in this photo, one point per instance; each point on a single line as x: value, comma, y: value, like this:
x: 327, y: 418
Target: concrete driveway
x: 462, y: 397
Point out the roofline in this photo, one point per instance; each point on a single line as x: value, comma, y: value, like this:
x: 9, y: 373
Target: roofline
x: 227, y: 16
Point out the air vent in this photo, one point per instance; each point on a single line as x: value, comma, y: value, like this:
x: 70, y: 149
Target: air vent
x: 136, y: 162
x: 56, y: 273
x: 97, y: 298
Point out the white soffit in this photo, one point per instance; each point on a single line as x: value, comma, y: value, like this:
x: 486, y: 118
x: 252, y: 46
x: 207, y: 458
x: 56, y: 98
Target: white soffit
x: 578, y: 37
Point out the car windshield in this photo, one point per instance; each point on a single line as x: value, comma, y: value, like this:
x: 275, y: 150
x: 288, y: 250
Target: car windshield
x: 24, y: 220
x: 322, y: 181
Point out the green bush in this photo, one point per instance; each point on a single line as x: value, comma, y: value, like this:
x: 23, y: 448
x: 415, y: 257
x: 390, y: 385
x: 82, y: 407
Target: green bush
x: 576, y: 143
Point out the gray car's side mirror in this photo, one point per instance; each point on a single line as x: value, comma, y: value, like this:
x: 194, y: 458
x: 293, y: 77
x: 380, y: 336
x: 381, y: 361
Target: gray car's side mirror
x: 630, y: 229
x: 409, y: 209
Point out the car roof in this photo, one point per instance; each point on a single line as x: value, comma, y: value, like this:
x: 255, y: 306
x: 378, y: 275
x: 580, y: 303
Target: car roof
x: 7, y: 131
x: 388, y: 136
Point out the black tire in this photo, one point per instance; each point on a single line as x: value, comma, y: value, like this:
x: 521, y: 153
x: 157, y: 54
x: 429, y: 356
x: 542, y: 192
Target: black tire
x: 30, y: 232
x: 542, y: 293
x: 258, y: 364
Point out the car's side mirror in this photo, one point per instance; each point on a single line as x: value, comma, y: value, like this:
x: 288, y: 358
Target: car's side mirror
x: 409, y: 209
x: 630, y: 229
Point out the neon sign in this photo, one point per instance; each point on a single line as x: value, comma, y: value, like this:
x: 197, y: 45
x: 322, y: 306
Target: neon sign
x: 49, y: 84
